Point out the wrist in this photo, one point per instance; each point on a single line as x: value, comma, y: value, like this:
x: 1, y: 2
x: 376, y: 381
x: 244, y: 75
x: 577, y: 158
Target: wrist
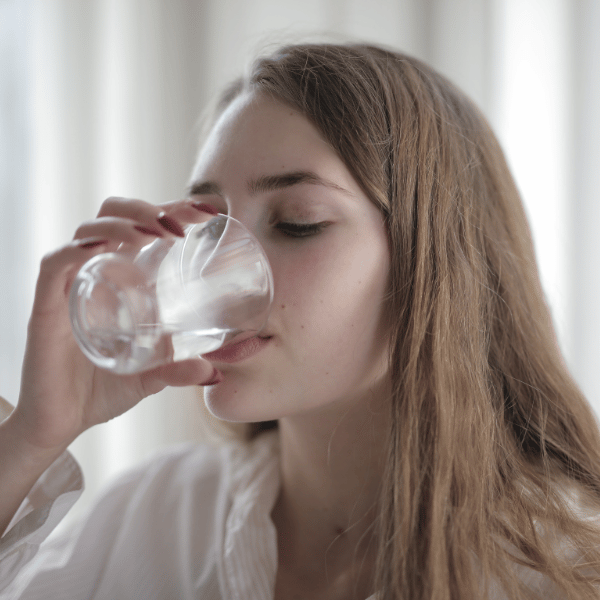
x: 20, y: 467
x: 20, y: 454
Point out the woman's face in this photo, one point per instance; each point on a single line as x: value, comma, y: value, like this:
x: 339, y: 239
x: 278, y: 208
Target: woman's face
x: 265, y: 164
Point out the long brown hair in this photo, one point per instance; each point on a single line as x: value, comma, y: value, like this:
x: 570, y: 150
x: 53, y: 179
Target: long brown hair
x: 488, y: 431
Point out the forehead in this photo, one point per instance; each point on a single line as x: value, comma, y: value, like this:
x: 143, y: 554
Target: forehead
x: 262, y: 133
x: 255, y: 107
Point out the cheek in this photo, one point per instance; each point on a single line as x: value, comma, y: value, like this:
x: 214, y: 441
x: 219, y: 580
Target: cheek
x: 326, y: 312
x: 330, y: 297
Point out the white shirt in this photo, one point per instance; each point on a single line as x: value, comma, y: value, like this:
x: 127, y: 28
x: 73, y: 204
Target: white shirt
x: 192, y: 523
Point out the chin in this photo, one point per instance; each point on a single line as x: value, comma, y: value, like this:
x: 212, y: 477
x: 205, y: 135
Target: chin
x: 237, y: 404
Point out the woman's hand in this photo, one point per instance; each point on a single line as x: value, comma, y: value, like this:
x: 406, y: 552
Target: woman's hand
x: 62, y: 392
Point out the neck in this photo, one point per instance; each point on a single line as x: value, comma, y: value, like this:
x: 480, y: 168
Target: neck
x: 331, y: 469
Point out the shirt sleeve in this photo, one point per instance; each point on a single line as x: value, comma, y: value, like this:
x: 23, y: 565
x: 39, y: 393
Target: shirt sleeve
x: 72, y: 565
x: 50, y: 499
x: 149, y: 533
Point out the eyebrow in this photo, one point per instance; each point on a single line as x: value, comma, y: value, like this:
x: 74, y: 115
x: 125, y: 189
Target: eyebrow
x: 270, y: 183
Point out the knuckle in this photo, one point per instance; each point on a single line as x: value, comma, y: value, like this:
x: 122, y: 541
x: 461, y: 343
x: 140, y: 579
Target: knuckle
x: 109, y: 205
x: 49, y: 258
x: 108, y: 202
x: 49, y: 262
x: 117, y: 206
x: 80, y: 231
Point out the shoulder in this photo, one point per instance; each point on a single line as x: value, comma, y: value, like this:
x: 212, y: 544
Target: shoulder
x: 171, y: 474
x: 174, y: 500
x: 167, y: 514
x: 199, y: 474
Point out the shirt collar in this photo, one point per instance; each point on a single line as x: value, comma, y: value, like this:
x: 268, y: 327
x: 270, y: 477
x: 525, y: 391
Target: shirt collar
x: 249, y: 557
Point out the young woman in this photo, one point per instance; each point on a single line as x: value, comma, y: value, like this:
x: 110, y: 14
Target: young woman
x: 411, y: 431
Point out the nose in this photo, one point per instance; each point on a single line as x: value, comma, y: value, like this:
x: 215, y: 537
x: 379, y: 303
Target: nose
x: 255, y: 226
x: 251, y: 219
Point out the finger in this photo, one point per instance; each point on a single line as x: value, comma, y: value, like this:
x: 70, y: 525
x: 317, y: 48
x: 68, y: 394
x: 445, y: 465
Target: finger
x: 58, y: 269
x: 147, y: 216
x: 187, y: 209
x: 119, y: 229
x: 190, y: 211
x: 129, y: 208
x: 181, y: 211
x: 193, y: 371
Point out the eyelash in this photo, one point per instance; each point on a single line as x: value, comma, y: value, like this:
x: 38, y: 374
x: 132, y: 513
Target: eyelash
x: 297, y: 230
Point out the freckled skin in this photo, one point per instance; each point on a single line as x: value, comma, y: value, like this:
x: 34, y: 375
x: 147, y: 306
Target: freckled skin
x: 326, y: 320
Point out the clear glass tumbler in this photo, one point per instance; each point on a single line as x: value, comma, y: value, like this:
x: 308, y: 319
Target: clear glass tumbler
x: 172, y: 299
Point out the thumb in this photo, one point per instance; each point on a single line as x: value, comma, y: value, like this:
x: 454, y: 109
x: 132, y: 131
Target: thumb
x: 193, y: 371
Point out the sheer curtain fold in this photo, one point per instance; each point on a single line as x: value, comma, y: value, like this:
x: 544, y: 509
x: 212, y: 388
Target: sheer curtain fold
x: 113, y: 90
x: 584, y: 196
x: 16, y: 259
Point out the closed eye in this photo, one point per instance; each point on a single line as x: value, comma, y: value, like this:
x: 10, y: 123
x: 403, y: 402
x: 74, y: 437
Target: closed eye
x: 300, y: 230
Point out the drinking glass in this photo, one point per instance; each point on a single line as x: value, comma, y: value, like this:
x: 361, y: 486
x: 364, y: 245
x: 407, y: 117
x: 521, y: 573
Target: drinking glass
x: 175, y: 298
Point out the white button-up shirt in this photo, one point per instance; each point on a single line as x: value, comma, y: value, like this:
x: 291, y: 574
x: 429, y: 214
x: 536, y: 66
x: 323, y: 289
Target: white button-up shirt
x: 192, y: 523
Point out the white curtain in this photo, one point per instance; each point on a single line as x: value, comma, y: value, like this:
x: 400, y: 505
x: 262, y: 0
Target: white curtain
x: 102, y: 97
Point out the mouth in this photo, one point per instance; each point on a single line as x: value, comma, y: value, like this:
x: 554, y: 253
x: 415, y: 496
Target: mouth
x: 244, y: 337
x: 238, y: 351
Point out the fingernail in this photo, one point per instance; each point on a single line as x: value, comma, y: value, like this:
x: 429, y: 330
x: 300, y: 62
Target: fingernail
x: 86, y: 245
x: 207, y: 208
x: 147, y: 230
x: 171, y: 225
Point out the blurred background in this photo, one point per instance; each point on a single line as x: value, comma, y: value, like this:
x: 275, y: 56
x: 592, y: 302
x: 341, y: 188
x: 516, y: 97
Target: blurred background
x: 102, y: 98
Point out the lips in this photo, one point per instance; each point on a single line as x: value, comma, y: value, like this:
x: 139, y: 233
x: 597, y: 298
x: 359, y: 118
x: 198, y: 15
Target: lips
x: 237, y: 352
